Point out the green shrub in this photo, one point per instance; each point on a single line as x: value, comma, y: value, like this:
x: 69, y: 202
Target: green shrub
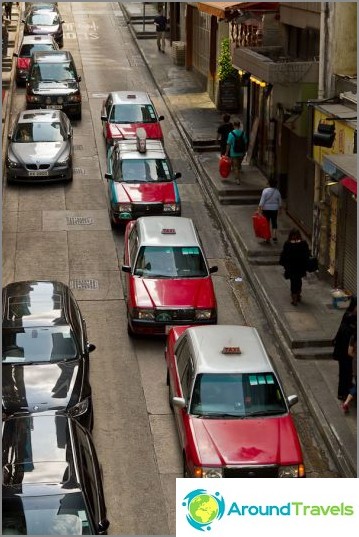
x: 225, y: 68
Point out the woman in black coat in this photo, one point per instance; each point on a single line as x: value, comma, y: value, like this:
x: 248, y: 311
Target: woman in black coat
x: 346, y: 330
x: 294, y: 259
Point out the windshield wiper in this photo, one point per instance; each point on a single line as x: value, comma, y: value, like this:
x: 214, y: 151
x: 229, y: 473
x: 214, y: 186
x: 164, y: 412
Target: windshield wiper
x: 266, y: 412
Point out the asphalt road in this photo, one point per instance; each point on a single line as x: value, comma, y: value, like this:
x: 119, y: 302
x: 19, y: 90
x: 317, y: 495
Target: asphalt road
x: 134, y: 430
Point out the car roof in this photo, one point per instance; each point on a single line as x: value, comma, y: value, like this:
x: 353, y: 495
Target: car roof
x: 35, y: 303
x: 158, y: 231
x: 30, y: 39
x: 128, y: 150
x: 49, y: 456
x: 39, y: 116
x: 130, y: 97
x: 53, y: 56
x: 215, y: 349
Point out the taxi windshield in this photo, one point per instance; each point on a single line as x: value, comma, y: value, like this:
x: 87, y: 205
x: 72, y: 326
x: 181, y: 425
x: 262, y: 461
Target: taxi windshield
x: 145, y: 171
x: 132, y: 113
x: 235, y: 395
x: 170, y: 262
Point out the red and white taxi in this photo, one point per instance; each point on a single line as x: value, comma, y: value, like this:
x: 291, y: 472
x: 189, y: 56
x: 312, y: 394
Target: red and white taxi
x: 123, y: 112
x: 231, y: 414
x: 166, y: 278
x: 141, y: 181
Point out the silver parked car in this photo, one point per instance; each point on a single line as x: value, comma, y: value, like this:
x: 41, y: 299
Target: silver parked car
x: 40, y: 147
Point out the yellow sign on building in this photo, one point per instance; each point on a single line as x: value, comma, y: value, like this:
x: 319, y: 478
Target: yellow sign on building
x: 343, y: 142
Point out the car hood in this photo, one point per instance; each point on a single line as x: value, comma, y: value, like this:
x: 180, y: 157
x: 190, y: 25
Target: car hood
x: 186, y: 293
x: 46, y: 386
x: 126, y: 131
x: 38, y: 153
x: 144, y: 192
x: 54, y: 87
x: 259, y: 441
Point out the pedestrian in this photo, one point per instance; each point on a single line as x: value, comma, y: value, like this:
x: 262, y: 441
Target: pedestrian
x: 8, y: 9
x: 294, y: 258
x: 5, y: 38
x: 352, y: 352
x: 236, y: 148
x: 346, y: 330
x: 161, y: 23
x: 269, y: 206
x: 222, y: 132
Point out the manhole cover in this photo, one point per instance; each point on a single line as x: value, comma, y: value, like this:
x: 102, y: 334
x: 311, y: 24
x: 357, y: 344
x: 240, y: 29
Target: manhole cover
x: 79, y: 220
x: 84, y: 284
x: 80, y: 171
x: 78, y: 147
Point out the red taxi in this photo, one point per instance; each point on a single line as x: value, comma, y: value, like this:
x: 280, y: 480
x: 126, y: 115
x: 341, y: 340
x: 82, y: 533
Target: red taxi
x: 141, y: 181
x: 123, y: 112
x: 166, y: 277
x: 232, y: 416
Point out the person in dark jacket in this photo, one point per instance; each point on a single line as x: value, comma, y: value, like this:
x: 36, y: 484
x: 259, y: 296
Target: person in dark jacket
x: 222, y: 132
x: 294, y: 259
x: 346, y: 330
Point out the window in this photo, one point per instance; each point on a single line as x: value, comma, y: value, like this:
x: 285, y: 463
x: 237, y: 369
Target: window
x: 43, y: 19
x: 28, y: 50
x: 186, y: 379
x: 39, y: 132
x: 173, y: 262
x: 133, y: 246
x: 145, y: 170
x: 133, y: 113
x: 182, y: 356
x: 55, y: 71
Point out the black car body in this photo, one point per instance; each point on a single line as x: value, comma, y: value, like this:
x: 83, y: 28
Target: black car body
x: 53, y: 83
x: 45, y: 351
x: 45, y: 22
x: 52, y: 481
x: 29, y: 45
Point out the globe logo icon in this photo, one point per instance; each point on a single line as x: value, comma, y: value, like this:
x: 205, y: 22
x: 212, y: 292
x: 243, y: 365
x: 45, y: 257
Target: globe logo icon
x: 203, y: 508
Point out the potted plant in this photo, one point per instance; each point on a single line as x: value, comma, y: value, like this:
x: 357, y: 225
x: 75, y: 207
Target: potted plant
x: 227, y: 76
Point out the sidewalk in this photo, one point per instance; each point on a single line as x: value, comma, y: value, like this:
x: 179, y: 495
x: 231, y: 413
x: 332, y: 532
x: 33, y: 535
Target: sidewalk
x: 305, y: 333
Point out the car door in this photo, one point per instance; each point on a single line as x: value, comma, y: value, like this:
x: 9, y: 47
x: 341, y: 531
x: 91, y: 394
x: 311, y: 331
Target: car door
x: 106, y: 110
x: 129, y: 259
x: 182, y: 388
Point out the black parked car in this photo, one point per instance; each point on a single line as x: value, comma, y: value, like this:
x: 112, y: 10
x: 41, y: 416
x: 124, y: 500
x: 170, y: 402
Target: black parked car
x: 45, y: 352
x: 45, y: 22
x: 52, y: 481
x: 53, y: 83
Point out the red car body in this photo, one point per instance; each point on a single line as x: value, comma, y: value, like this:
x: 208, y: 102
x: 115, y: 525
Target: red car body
x: 251, y: 447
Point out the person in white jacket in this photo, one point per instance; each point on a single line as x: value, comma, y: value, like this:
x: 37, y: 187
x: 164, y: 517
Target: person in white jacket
x: 269, y: 206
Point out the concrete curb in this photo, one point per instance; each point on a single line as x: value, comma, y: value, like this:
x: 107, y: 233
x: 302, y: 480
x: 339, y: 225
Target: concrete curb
x: 335, y: 448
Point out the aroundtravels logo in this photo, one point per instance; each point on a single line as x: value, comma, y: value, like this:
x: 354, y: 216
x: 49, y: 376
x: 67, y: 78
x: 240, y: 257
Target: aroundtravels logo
x: 203, y: 508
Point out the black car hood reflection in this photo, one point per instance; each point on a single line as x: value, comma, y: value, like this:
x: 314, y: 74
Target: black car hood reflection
x: 40, y: 387
x: 55, y: 86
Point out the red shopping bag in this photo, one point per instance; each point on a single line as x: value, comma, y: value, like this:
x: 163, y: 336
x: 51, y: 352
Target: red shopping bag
x: 261, y: 226
x: 225, y: 164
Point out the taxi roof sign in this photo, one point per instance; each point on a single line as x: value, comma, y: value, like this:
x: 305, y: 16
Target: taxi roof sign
x: 231, y: 350
x: 141, y: 140
x: 168, y: 231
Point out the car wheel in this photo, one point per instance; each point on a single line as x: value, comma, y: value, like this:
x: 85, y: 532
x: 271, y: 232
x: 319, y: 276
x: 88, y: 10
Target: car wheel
x: 78, y: 116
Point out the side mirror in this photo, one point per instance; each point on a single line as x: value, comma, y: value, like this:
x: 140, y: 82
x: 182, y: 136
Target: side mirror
x: 90, y: 347
x: 178, y: 175
x: 292, y: 400
x: 179, y: 402
x: 16, y: 54
x: 103, y: 117
x: 9, y: 136
x: 22, y: 20
x: 126, y: 268
x: 161, y: 118
x: 213, y: 269
x: 69, y: 134
x: 103, y: 526
x: 108, y: 175
x: 78, y: 79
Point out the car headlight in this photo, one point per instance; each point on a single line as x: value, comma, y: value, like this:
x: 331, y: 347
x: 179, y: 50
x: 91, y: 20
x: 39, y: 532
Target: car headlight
x: 124, y: 207
x: 33, y: 98
x: 12, y: 163
x: 80, y: 408
x: 297, y: 470
x: 171, y: 207
x: 75, y: 98
x: 145, y: 314
x: 63, y: 162
x: 204, y: 315
x: 208, y: 472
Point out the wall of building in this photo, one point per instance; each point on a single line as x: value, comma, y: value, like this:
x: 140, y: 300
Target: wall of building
x: 343, y: 41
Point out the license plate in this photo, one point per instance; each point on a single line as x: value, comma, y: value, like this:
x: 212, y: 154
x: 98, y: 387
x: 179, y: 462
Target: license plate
x: 39, y: 172
x: 168, y: 328
x: 54, y: 106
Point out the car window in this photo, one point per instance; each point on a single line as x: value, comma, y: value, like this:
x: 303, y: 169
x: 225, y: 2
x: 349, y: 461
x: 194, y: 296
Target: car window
x: 186, y: 379
x: 145, y: 170
x: 56, y: 514
x: 133, y: 245
x: 241, y: 395
x: 39, y: 132
x: 42, y: 72
x: 182, y: 356
x: 38, y: 344
x: 43, y: 19
x: 132, y: 113
x: 27, y: 50
x: 108, y: 105
x: 170, y: 262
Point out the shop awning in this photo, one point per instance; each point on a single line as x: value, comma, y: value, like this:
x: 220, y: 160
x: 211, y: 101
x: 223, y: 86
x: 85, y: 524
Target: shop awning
x: 340, y: 166
x: 221, y: 9
x: 350, y: 184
